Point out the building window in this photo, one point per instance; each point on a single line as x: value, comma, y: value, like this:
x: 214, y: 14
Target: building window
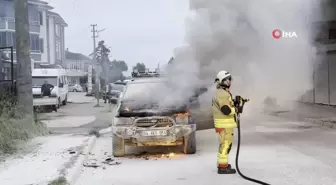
x: 34, y: 43
x: 10, y: 38
x: 3, y: 39
x: 7, y: 39
x: 41, y: 46
x: 41, y: 18
x: 34, y: 16
x: 58, y: 30
x: 58, y: 51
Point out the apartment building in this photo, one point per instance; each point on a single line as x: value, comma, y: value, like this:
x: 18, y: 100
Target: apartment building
x: 46, y: 29
x: 77, y: 66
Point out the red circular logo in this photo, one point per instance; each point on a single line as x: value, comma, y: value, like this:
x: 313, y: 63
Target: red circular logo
x: 276, y: 33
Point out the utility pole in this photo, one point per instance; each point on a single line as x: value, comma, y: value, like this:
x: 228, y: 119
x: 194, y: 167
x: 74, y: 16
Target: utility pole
x: 24, y: 70
x: 94, y: 36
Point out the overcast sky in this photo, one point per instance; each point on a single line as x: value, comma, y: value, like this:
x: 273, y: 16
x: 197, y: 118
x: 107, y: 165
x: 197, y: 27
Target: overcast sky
x: 137, y: 31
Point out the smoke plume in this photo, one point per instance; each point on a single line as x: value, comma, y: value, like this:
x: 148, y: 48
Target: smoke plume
x: 236, y: 36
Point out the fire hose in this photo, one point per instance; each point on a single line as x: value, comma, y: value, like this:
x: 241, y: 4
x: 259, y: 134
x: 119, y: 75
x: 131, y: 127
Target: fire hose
x: 239, y: 104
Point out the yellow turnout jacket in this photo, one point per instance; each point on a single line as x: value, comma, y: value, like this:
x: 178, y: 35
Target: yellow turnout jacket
x: 223, y: 97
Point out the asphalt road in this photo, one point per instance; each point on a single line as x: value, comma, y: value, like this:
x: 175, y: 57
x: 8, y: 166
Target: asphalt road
x: 79, y: 117
x: 274, y: 150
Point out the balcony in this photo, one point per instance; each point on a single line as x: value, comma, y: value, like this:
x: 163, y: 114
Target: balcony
x: 8, y: 23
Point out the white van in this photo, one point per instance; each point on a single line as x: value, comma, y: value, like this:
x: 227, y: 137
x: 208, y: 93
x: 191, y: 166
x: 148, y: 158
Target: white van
x: 56, y: 77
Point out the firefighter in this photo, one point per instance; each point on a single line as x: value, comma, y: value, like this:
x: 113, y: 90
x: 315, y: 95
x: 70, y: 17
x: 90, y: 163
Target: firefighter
x: 224, y: 113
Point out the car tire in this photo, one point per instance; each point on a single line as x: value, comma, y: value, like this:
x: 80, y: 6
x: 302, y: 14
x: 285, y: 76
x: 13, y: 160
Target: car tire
x: 118, y: 145
x: 54, y: 108
x: 189, y: 143
x: 65, y: 101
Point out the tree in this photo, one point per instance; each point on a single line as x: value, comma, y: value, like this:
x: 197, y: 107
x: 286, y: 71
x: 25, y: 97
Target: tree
x: 171, y: 60
x: 119, y: 64
x: 140, y: 67
x: 24, y: 73
x: 116, y: 69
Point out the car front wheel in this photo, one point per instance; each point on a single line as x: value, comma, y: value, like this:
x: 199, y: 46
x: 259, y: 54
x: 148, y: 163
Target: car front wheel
x: 118, y: 145
x: 189, y: 143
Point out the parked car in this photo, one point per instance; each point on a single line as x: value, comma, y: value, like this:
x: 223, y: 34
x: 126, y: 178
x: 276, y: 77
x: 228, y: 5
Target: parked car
x: 115, y: 93
x: 75, y: 88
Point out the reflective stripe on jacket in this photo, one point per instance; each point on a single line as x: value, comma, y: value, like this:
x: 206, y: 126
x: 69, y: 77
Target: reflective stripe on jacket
x: 221, y: 98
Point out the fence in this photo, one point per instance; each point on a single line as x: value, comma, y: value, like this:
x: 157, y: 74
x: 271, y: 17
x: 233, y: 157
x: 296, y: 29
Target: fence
x: 324, y: 91
x: 7, y: 70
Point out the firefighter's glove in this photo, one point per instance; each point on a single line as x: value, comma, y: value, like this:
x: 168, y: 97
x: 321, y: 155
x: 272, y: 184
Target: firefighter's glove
x: 239, y: 103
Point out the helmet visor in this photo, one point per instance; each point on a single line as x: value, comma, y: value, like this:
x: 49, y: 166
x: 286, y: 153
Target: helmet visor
x: 227, y: 78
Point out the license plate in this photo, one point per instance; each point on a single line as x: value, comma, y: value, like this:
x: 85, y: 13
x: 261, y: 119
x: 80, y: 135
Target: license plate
x: 155, y: 133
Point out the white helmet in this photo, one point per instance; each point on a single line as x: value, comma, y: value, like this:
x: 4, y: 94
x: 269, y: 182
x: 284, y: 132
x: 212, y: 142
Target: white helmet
x: 222, y: 75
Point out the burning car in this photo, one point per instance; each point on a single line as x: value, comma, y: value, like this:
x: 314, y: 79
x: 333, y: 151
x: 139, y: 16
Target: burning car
x: 143, y: 122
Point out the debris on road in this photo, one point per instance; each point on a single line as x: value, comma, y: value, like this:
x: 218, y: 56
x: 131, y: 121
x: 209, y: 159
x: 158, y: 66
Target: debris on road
x: 71, y: 151
x: 111, y: 161
x: 93, y: 163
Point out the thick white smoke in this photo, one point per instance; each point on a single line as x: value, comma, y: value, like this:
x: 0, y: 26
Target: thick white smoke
x: 237, y: 36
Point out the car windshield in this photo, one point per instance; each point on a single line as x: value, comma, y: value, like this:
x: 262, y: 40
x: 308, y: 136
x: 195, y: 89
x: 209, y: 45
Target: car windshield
x: 136, y: 89
x: 160, y: 92
x: 38, y: 81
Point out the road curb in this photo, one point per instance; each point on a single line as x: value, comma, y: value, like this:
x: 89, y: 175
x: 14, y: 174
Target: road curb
x: 79, y: 102
x: 75, y: 172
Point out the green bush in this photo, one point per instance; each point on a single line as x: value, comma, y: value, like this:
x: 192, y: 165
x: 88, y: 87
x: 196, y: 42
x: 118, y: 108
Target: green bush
x: 15, y: 126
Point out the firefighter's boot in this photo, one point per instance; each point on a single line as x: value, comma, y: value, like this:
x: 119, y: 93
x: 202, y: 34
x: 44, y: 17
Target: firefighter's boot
x: 226, y: 170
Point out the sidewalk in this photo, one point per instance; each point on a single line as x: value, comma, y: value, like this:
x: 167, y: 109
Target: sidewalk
x: 315, y: 113
x: 48, y: 158
x: 51, y: 157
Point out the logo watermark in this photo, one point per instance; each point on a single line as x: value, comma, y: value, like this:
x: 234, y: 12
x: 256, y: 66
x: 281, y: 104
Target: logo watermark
x: 278, y: 34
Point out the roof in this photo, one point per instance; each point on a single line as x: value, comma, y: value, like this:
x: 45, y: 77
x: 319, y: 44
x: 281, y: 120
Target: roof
x: 41, y: 4
x: 58, y: 17
x: 76, y: 56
